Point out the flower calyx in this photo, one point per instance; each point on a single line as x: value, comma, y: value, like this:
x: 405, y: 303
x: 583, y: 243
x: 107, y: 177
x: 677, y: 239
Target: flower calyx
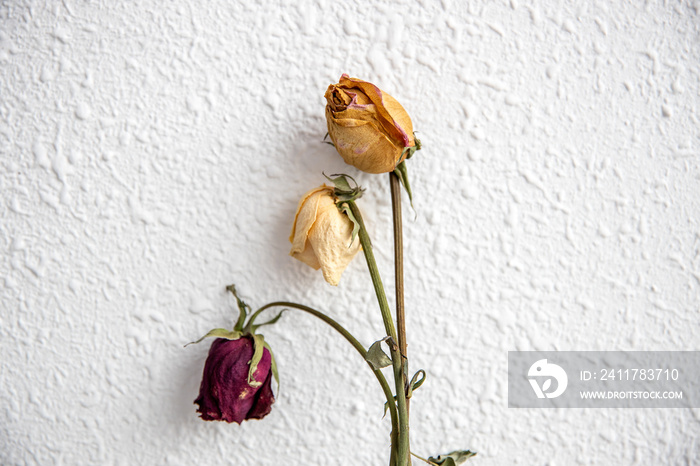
x: 343, y: 190
x: 345, y: 193
x: 243, y: 329
x: 409, y: 151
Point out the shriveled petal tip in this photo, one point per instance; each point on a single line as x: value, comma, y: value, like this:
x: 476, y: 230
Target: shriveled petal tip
x: 392, y: 115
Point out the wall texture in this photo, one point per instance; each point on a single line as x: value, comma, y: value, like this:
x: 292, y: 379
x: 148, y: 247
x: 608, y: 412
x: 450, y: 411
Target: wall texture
x: 153, y: 152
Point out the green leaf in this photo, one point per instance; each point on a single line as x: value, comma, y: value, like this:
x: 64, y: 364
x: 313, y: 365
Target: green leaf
x: 386, y: 407
x: 243, y: 308
x: 401, y: 172
x: 415, y: 383
x: 376, y: 356
x: 258, y: 348
x: 453, y: 458
x: 219, y: 333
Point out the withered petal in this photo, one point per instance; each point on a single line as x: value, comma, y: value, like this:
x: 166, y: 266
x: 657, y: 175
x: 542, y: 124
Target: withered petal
x: 322, y: 234
x: 224, y: 394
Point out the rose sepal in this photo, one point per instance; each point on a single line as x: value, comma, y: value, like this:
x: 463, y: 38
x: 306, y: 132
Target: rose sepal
x: 343, y: 190
x: 273, y: 365
x: 242, y: 329
x: 243, y: 308
x: 412, y: 149
x: 345, y: 193
x: 401, y: 173
x: 258, y: 350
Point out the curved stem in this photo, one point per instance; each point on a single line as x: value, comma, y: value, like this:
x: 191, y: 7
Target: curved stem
x: 403, y: 455
x: 360, y: 349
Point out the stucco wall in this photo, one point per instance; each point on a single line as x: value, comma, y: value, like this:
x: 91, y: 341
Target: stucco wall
x: 153, y: 152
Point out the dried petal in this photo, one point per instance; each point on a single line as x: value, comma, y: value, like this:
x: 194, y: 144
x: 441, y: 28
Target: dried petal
x: 322, y: 235
x: 225, y: 394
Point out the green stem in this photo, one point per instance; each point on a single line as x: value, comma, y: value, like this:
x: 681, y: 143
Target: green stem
x: 403, y: 455
x: 360, y: 349
x: 398, y: 274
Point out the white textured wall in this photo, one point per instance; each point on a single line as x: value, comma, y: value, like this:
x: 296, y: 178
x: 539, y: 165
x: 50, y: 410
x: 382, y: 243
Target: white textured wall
x: 154, y: 152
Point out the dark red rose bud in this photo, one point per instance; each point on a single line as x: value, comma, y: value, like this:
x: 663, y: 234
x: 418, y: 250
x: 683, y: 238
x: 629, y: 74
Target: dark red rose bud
x: 225, y: 393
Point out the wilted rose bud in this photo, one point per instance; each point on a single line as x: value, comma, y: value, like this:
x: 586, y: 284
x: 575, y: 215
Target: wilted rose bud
x: 227, y: 393
x: 368, y: 127
x: 322, y: 235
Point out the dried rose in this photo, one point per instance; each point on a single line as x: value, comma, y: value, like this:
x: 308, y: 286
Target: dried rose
x: 229, y: 392
x: 368, y: 127
x: 322, y: 235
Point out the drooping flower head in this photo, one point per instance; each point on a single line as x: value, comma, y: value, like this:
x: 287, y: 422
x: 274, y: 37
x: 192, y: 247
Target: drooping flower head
x: 227, y: 393
x: 237, y: 379
x: 322, y: 236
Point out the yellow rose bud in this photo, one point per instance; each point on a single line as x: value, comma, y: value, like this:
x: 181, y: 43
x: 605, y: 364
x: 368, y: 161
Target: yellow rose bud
x: 368, y: 127
x: 321, y: 234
